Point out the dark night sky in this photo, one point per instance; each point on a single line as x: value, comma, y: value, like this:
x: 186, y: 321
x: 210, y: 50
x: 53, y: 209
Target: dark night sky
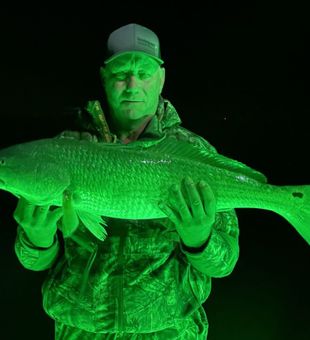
x: 238, y: 76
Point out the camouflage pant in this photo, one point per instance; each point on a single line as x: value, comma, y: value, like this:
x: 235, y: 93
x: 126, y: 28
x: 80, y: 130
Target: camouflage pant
x: 194, y: 328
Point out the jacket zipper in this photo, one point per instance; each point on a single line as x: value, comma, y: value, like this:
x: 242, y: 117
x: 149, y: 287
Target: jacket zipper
x: 120, y: 297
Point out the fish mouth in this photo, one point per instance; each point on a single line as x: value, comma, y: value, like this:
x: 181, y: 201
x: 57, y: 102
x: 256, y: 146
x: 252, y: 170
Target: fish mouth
x: 2, y: 182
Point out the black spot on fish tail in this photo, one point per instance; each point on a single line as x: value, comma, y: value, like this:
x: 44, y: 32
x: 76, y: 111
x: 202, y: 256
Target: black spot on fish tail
x: 298, y: 194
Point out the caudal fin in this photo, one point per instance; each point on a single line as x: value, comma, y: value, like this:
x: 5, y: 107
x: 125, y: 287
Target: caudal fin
x: 298, y: 211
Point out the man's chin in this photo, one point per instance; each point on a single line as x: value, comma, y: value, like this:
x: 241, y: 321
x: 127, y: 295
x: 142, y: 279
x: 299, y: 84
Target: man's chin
x: 133, y: 113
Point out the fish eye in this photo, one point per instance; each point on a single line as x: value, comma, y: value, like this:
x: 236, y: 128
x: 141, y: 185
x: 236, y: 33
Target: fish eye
x: 2, y: 161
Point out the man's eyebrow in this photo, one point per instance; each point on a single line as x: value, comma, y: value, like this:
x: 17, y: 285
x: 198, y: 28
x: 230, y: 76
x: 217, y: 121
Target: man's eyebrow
x: 120, y: 68
x: 118, y: 71
x: 147, y: 63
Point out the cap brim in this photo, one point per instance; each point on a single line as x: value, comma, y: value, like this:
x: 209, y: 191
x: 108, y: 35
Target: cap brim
x: 116, y: 55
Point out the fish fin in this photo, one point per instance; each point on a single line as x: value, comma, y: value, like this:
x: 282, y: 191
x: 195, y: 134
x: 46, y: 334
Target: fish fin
x: 230, y: 164
x: 298, y: 215
x: 70, y: 221
x: 94, y: 223
x: 171, y: 145
x: 183, y: 148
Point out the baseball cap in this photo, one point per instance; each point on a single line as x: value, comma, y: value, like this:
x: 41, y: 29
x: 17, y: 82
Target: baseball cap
x: 133, y: 38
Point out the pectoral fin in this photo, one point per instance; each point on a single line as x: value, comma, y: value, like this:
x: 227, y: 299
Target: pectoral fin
x: 94, y: 223
x: 70, y: 220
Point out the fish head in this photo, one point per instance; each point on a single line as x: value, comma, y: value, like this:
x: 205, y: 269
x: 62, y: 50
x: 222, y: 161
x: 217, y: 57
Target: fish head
x: 26, y: 171
x: 16, y: 170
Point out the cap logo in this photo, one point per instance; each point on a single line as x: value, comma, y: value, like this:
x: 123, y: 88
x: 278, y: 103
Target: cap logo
x: 146, y: 43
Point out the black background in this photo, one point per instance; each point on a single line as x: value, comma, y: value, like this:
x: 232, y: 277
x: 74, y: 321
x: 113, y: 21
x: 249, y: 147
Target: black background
x: 238, y: 76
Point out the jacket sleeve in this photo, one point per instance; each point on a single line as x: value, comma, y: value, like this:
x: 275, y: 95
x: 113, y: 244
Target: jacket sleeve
x: 219, y: 255
x: 32, y: 257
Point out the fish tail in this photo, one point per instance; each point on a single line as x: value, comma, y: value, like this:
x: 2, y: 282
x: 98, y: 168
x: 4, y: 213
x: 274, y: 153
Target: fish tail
x: 298, y: 211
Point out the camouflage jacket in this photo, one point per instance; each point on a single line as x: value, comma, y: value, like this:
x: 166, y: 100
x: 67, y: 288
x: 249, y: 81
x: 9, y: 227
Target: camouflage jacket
x: 121, y: 284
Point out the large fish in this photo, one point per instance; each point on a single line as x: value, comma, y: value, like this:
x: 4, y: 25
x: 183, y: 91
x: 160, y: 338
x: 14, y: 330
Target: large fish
x: 127, y: 181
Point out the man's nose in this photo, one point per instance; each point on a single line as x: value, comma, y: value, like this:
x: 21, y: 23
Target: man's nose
x: 132, y: 82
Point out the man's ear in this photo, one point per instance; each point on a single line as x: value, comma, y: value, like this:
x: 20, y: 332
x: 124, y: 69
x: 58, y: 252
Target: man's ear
x: 102, y: 72
x: 162, y: 78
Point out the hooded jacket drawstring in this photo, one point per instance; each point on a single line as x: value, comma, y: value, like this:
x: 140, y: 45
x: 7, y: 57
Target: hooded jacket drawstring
x: 86, y: 272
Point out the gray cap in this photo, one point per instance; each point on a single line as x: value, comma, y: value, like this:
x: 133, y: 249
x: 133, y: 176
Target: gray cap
x: 133, y: 38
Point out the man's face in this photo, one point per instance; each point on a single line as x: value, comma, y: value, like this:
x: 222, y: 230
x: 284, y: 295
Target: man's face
x: 133, y: 83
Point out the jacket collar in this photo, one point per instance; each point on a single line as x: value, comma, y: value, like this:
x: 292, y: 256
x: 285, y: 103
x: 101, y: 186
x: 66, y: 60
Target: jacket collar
x: 165, y: 117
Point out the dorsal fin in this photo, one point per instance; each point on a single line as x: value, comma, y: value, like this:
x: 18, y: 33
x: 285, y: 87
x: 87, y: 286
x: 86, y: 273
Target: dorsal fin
x: 171, y: 145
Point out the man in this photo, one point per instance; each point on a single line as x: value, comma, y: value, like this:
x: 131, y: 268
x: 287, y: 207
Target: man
x: 149, y: 278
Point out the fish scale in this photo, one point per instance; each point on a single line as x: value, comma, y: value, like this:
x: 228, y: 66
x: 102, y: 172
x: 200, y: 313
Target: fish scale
x: 127, y: 181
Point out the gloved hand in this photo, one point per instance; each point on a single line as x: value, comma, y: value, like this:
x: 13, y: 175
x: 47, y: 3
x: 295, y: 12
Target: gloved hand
x: 38, y: 222
x: 192, y: 209
x: 78, y: 135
